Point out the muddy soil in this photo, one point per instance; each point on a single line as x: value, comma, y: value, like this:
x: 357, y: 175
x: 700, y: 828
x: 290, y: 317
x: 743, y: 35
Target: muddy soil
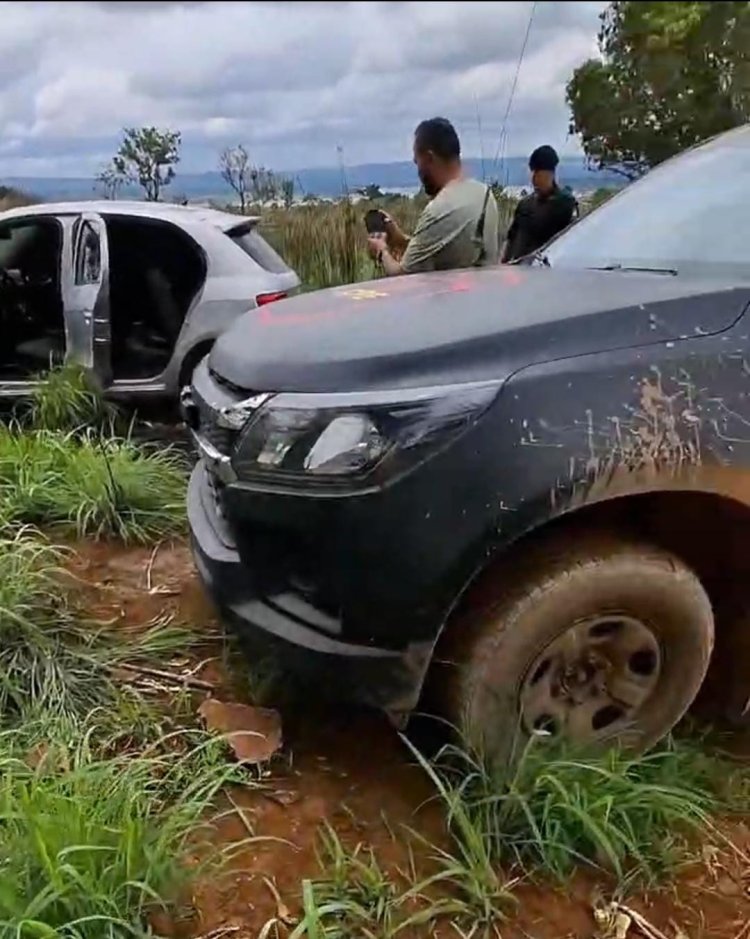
x: 349, y: 768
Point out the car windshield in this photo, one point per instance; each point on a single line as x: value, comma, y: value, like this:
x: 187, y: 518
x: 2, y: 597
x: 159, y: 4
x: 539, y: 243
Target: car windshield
x: 691, y: 215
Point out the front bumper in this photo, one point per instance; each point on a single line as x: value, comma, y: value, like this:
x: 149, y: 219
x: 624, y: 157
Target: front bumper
x: 283, y: 627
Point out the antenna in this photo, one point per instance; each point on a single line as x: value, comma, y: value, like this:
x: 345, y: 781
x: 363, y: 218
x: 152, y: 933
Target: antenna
x: 342, y: 168
x: 511, y: 95
x: 481, y: 138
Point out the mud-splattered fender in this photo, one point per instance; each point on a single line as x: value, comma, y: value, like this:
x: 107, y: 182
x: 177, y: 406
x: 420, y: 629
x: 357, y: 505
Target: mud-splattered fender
x: 589, y: 428
x: 574, y: 432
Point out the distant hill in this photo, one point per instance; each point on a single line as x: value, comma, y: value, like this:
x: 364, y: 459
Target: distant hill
x: 402, y: 175
x: 322, y: 181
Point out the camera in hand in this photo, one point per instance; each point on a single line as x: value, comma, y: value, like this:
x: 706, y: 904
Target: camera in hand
x: 375, y: 222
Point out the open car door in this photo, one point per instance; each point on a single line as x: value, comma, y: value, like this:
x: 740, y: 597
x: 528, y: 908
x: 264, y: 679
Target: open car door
x: 87, y: 314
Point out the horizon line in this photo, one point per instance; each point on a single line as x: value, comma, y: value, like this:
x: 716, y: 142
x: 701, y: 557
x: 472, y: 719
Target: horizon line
x: 295, y: 170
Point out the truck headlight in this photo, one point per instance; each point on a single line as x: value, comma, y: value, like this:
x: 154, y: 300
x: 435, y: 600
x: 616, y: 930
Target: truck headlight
x: 347, y: 437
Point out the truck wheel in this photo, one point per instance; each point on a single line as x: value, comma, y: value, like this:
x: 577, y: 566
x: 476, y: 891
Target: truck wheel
x: 725, y: 696
x: 589, y: 641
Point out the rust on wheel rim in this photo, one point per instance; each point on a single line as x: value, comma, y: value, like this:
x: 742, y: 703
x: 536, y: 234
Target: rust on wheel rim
x: 592, y: 680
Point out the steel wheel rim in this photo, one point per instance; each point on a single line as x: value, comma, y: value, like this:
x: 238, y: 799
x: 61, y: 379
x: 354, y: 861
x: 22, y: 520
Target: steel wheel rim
x: 592, y: 680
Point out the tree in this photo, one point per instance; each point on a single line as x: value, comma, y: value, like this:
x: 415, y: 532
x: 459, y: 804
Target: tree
x: 109, y: 180
x: 263, y: 184
x: 670, y: 75
x: 286, y: 188
x: 148, y: 156
x: 371, y: 191
x: 234, y: 164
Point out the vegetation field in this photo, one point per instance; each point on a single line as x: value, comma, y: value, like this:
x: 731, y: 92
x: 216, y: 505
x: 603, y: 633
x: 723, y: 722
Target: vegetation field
x: 326, y: 243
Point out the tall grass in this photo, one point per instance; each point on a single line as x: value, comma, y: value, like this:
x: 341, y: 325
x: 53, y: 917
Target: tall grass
x: 46, y: 657
x: 66, y: 399
x: 630, y: 816
x: 85, y: 485
x: 94, y: 850
x: 52, y: 661
x: 326, y: 243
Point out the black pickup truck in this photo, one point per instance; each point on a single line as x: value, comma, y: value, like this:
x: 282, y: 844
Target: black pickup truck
x: 530, y: 483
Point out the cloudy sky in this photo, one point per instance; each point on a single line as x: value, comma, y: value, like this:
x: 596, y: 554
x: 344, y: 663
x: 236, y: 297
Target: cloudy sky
x: 291, y: 80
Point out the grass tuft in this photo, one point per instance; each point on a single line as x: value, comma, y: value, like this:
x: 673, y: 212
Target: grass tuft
x: 51, y: 660
x: 66, y: 399
x: 357, y: 897
x: 46, y: 657
x: 88, y: 486
x: 354, y: 898
x: 93, y: 850
x: 629, y: 816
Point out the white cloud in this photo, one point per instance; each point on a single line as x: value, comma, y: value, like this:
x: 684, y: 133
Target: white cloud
x: 291, y: 80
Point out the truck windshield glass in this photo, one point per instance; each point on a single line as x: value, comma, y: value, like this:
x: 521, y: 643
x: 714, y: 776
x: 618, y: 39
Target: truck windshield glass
x: 689, y: 216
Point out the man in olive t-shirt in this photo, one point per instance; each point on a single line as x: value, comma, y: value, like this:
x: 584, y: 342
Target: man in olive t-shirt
x: 459, y: 226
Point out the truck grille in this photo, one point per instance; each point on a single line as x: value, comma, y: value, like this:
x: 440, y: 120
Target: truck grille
x: 203, y: 404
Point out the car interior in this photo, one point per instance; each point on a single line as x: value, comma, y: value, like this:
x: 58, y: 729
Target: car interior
x: 155, y: 271
x: 31, y: 306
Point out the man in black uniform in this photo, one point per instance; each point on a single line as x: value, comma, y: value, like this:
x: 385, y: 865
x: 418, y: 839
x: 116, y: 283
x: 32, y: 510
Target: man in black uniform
x: 544, y: 213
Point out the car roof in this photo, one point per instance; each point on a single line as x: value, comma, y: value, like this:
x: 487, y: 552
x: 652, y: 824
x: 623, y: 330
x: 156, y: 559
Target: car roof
x: 181, y: 215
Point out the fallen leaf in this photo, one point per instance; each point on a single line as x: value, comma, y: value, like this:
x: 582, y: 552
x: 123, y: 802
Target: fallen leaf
x: 253, y: 733
x: 283, y: 796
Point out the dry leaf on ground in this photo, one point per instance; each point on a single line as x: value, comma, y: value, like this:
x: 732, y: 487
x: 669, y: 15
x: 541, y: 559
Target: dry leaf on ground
x: 253, y: 733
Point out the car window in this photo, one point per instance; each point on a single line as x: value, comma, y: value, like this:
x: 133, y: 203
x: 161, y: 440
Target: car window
x: 88, y: 262
x: 14, y: 238
x: 256, y: 246
x: 690, y: 214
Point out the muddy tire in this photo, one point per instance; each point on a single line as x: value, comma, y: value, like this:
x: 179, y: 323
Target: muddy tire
x: 591, y: 640
x: 725, y: 696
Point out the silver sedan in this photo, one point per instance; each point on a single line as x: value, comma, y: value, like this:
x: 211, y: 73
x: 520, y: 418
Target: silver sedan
x: 136, y: 292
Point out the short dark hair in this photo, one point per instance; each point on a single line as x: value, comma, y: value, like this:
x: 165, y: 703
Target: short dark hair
x: 544, y: 158
x: 438, y: 135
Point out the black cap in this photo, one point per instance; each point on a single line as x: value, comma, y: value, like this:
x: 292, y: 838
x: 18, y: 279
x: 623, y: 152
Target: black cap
x: 544, y: 158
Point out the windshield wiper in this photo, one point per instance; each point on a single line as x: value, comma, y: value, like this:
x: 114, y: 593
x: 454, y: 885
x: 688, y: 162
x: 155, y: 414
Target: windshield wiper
x: 540, y: 258
x: 645, y: 270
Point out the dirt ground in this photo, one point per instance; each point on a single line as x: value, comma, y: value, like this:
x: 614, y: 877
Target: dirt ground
x: 350, y: 768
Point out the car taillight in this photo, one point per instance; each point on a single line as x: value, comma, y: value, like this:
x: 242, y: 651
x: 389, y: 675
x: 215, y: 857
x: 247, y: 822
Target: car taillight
x: 263, y: 298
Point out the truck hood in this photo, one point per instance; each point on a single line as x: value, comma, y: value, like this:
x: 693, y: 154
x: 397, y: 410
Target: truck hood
x: 457, y: 326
